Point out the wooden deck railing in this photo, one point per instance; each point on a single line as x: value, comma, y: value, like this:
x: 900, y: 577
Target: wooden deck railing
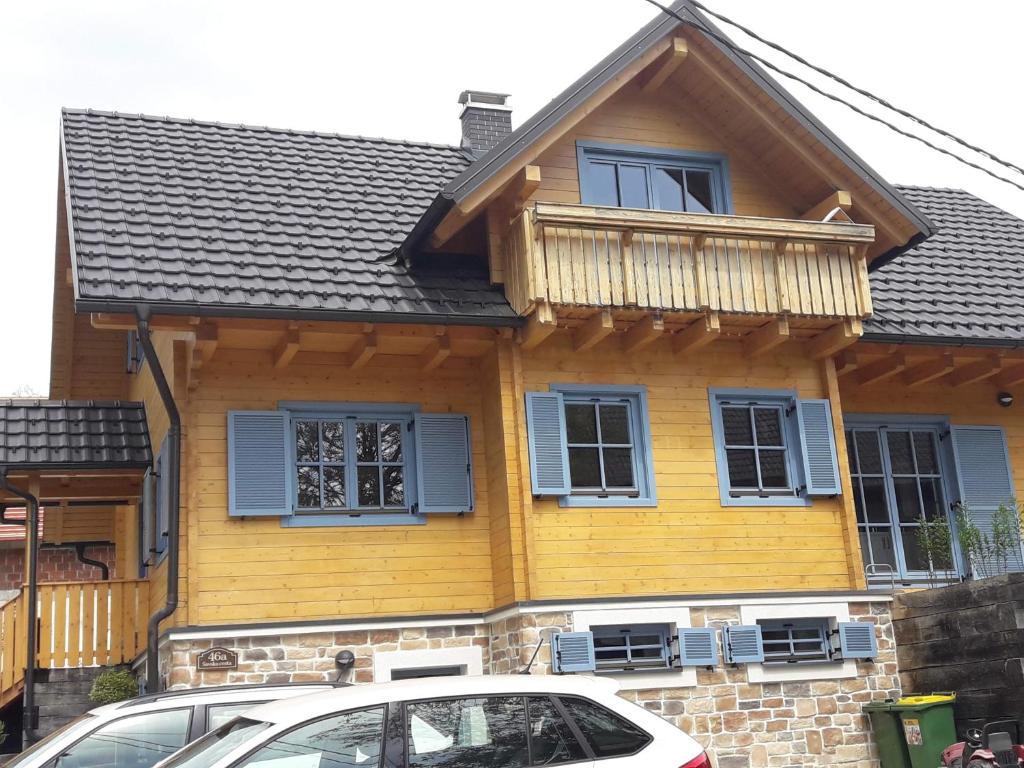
x: 678, y: 262
x: 81, y: 624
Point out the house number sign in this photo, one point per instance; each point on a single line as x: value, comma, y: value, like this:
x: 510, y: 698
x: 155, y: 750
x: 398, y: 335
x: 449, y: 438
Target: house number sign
x: 215, y: 659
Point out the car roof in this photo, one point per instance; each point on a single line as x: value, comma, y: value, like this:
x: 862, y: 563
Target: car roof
x: 306, y: 707
x: 215, y: 694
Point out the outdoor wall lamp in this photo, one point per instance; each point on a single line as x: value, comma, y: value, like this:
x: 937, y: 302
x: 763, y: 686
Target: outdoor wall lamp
x: 344, y: 660
x: 1005, y: 399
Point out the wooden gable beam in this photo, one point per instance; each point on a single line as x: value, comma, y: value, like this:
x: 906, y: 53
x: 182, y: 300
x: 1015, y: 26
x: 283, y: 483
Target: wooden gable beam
x: 647, y: 330
x: 288, y: 347
x: 595, y: 329
x: 436, y: 353
x: 847, y: 362
x: 767, y: 337
x: 929, y: 370
x: 539, y: 325
x: 698, y: 335
x: 840, y: 199
x: 975, y: 372
x: 835, y: 339
x: 662, y: 71
x: 362, y: 351
x: 881, y: 369
x: 207, y: 338
x: 1011, y: 377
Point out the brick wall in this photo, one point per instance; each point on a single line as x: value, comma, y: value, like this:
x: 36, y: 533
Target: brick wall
x: 59, y: 564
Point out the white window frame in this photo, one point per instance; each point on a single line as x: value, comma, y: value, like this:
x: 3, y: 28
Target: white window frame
x: 773, y: 672
x: 676, y: 618
x: 469, y: 658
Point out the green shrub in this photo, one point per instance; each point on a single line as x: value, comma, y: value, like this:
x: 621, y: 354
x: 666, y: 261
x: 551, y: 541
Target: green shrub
x: 114, y: 685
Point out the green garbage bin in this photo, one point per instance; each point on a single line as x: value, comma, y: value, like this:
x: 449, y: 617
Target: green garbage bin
x: 888, y: 731
x: 928, y: 727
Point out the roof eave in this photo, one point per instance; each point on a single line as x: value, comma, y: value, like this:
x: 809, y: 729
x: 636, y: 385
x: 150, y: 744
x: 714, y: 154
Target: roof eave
x: 941, y: 341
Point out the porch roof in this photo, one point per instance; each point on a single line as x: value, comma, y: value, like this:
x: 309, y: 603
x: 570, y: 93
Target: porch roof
x: 73, y: 435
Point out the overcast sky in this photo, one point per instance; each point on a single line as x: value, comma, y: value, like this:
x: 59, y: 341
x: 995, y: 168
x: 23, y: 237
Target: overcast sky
x: 395, y: 69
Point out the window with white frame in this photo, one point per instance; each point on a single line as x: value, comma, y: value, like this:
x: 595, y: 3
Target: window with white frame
x: 350, y: 463
x: 793, y: 641
x: 631, y: 647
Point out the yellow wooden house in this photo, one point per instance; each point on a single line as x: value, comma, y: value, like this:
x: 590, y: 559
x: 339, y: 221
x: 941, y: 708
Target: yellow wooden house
x: 596, y: 381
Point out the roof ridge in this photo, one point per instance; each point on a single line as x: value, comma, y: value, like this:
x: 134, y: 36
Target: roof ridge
x: 250, y: 127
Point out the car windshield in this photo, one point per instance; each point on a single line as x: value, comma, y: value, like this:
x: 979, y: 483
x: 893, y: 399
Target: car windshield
x: 66, y: 733
x: 214, y: 745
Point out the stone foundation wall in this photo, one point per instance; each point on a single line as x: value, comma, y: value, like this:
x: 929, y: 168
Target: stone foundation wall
x: 743, y: 724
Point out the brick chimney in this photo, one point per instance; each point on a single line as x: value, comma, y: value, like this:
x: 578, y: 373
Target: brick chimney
x: 486, y: 120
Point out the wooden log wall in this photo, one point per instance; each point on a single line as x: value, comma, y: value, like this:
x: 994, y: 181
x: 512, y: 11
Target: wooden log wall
x: 967, y: 638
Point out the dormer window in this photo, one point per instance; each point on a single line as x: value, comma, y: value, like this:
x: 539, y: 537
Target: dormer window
x: 659, y: 179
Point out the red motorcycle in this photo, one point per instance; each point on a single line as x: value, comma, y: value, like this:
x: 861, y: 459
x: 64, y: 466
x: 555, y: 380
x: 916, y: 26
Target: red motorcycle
x: 994, y: 746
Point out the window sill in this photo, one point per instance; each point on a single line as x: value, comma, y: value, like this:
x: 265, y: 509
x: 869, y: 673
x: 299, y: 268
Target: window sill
x: 342, y: 520
x: 770, y: 501
x: 607, y: 501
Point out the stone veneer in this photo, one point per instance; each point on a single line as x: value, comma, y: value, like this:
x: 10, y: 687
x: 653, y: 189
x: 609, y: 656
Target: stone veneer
x: 743, y: 724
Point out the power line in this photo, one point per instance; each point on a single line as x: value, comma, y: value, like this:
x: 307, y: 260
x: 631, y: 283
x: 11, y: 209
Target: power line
x: 865, y: 93
x: 761, y: 60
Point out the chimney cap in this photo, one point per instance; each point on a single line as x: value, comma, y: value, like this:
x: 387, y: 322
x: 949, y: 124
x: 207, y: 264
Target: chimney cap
x: 488, y: 99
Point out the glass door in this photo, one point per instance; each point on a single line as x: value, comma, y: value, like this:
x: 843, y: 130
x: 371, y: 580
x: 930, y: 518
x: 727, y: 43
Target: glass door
x: 897, y: 482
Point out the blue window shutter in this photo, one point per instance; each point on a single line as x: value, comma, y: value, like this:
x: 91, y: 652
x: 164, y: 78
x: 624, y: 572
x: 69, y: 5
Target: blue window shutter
x: 146, y: 515
x: 444, y: 473
x: 163, y: 499
x: 573, y: 652
x: 857, y: 640
x: 743, y: 644
x: 985, y: 481
x: 698, y: 647
x: 549, y: 455
x: 818, y: 448
x: 259, y: 464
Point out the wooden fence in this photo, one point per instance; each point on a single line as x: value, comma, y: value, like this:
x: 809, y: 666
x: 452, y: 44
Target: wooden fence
x: 81, y: 624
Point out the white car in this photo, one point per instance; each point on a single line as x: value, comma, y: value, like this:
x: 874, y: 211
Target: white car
x: 493, y: 721
x: 138, y: 733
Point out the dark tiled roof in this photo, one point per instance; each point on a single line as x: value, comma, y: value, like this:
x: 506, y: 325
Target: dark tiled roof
x: 964, y: 283
x: 55, y: 434
x: 246, y: 220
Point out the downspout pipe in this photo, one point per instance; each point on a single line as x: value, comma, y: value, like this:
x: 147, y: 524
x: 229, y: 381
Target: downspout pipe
x: 172, y: 466
x: 30, y: 718
x: 80, y: 554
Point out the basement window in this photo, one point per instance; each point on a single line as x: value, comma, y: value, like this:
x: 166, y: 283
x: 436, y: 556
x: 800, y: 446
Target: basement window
x: 795, y: 641
x: 631, y: 647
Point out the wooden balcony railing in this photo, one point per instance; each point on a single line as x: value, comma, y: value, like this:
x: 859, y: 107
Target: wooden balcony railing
x: 582, y: 256
x: 81, y: 624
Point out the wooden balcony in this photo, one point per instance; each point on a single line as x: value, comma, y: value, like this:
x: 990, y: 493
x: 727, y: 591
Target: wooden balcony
x: 569, y: 261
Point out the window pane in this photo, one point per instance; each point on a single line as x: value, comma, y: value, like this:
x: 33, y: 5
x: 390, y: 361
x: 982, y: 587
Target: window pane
x: 366, y: 440
x: 614, y: 424
x: 468, y: 732
x: 851, y: 453
x: 858, y: 499
x: 742, y: 473
x: 618, y: 467
x: 349, y: 740
x: 737, y: 426
x: 931, y: 493
x: 334, y: 486
x: 915, y: 557
x: 633, y: 186
x: 369, y: 486
x: 309, y: 487
x: 394, y: 487
x: 927, y: 457
x: 307, y: 441
x: 551, y: 740
x: 137, y: 740
x: 668, y: 189
x: 773, y: 469
x: 869, y: 451
x: 602, y: 187
x: 608, y: 734
x: 581, y: 423
x: 907, y: 503
x: 900, y: 457
x: 875, y: 500
x: 768, y: 422
x: 882, y: 547
x: 584, y: 468
x: 334, y: 441
x: 698, y: 192
x: 391, y: 442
